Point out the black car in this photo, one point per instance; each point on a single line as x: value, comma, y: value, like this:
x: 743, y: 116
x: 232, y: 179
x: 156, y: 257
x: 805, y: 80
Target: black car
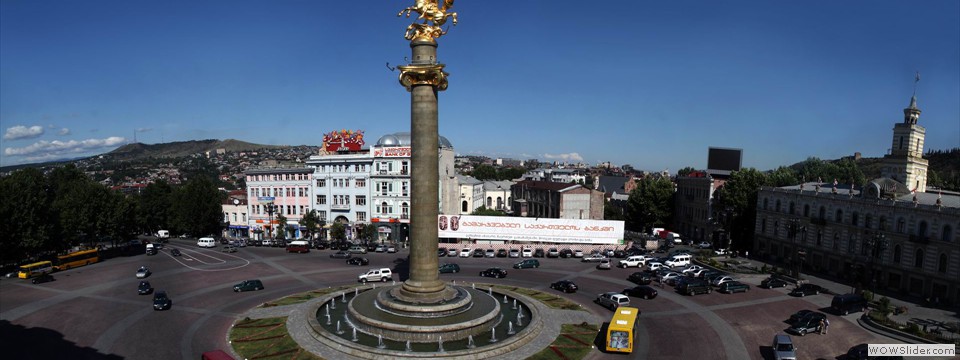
x: 144, y: 288
x: 359, y: 261
x: 441, y: 252
x: 808, y: 323
x: 321, y: 244
x: 799, y: 315
x: 859, y: 352
x: 771, y: 283
x: 620, y: 254
x: 479, y: 253
x: 342, y: 254
x: 807, y: 289
x: 566, y: 286
x: 494, y: 273
x: 248, y: 285
x: 175, y: 252
x: 539, y: 253
x: 640, y: 278
x: 731, y: 287
x: 642, y: 291
x: 502, y: 253
x: 42, y: 278
x: 566, y: 253
x: 161, y: 301
x: 449, y: 268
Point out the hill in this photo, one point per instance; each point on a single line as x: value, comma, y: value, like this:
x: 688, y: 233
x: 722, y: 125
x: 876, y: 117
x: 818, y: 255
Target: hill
x: 137, y: 151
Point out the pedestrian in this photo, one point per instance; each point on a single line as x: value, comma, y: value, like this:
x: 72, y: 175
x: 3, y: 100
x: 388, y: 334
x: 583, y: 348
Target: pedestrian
x: 826, y: 327
x: 823, y: 327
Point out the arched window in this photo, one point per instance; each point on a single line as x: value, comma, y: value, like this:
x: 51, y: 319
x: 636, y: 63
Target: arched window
x: 868, y: 221
x: 823, y: 213
x: 918, y: 259
x: 896, y: 254
x: 882, y: 225
x: 489, y: 202
x: 942, y: 264
x: 947, y: 233
x: 463, y: 206
x: 806, y: 210
x: 901, y: 226
x: 384, y: 208
x: 839, y: 216
x: 792, y: 208
x: 405, y: 210
x: 778, y: 205
x: 499, y: 203
x: 922, y: 229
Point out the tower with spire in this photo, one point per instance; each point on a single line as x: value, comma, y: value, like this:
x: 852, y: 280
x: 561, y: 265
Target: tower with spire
x: 905, y: 162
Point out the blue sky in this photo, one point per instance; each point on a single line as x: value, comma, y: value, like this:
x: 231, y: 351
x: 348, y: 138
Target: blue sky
x: 647, y: 83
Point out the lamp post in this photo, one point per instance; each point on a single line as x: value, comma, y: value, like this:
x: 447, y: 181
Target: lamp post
x: 270, y: 209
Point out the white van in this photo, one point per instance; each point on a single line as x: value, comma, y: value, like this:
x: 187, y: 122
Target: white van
x: 679, y: 260
x: 163, y: 234
x: 207, y: 242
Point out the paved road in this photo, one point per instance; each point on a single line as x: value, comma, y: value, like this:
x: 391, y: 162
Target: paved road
x: 95, y: 310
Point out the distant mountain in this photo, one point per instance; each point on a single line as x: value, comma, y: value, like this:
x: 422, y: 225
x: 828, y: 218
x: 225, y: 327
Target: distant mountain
x: 137, y: 151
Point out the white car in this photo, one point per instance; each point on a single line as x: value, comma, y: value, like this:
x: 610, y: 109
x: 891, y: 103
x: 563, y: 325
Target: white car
x: 452, y: 252
x: 653, y: 265
x: 691, y: 268
x: 698, y: 273
x: 721, y: 251
x: 593, y: 258
x: 578, y: 253
x: 143, y: 272
x: 704, y: 245
x: 721, y: 280
x: 528, y: 252
x: 466, y: 252
x: 669, y: 276
x: 604, y: 264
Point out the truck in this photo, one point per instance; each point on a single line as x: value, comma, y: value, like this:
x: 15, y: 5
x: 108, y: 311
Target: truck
x: 163, y: 234
x: 381, y: 274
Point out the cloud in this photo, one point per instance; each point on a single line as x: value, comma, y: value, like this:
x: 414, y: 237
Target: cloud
x: 51, y: 149
x: 564, y: 157
x: 63, y: 132
x: 23, y: 132
x: 143, y: 130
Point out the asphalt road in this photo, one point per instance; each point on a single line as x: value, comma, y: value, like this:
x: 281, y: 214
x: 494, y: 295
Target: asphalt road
x: 94, y: 312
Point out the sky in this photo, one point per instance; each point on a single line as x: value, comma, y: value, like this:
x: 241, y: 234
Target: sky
x: 652, y: 84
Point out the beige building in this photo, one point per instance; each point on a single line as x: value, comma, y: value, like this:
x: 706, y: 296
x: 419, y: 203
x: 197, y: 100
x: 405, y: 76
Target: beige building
x: 556, y: 200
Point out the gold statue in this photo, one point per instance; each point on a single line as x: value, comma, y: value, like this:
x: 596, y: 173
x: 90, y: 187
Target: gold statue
x: 434, y: 16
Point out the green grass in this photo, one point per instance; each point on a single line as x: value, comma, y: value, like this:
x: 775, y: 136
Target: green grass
x: 549, y: 299
x: 306, y: 296
x: 574, y: 342
x: 266, y: 339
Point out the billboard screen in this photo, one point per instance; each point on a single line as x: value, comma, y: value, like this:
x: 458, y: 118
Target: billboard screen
x: 530, y: 229
x: 724, y: 159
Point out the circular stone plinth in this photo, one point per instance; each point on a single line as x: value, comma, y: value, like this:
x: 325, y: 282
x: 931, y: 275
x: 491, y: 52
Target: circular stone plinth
x: 456, y: 302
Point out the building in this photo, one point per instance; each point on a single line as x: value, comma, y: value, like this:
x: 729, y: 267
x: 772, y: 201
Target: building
x: 235, y: 215
x: 695, y: 216
x: 273, y: 192
x: 471, y: 194
x: 556, y: 200
x: 889, y: 236
x: 497, y: 195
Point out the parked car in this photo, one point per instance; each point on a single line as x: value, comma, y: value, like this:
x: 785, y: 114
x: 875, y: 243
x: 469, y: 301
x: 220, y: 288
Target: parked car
x: 566, y: 253
x: 691, y: 269
x: 502, y: 253
x: 380, y: 248
x: 859, y: 352
x: 144, y: 288
x: 161, y: 301
x: 357, y: 249
x: 672, y: 275
x: 441, y: 252
x: 721, y: 252
x: 526, y: 252
x: 514, y: 253
x: 807, y: 289
x: 143, y: 272
x: 772, y: 282
x: 539, y: 253
x: 704, y: 245
x: 526, y: 264
x: 619, y: 254
x: 808, y: 323
x: 553, y: 253
x: 248, y: 285
x: 449, y: 268
x: 847, y: 303
x: 731, y: 287
x: 612, y: 300
x: 391, y: 249
x: 341, y: 255
x: 783, y: 348
x: 359, y: 261
x: 229, y: 249
x: 478, y: 253
x: 465, y: 252
x: 593, y: 258
x: 640, y: 278
x: 494, y: 273
x: 607, y: 252
x: 604, y: 265
x: 566, y: 286
x: 720, y: 280
x: 451, y: 252
x: 641, y: 291
x: 490, y: 253
x: 694, y: 288
x: 43, y: 278
x: 578, y: 253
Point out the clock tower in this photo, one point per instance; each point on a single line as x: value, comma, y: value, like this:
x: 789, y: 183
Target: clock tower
x: 905, y: 162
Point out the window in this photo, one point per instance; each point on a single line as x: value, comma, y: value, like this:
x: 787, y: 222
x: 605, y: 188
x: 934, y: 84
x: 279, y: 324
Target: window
x: 947, y: 233
x: 851, y: 245
x: 404, y: 168
x: 321, y: 182
x: 361, y: 183
x: 405, y: 188
x: 864, y: 247
x: 897, y: 251
x: 778, y: 205
x: 791, y: 208
x: 882, y: 224
x: 823, y: 213
x: 839, y: 216
x: 763, y: 226
x: 385, y: 209
x: 463, y: 206
x: 855, y: 218
x: 362, y: 200
x: 918, y: 259
x: 321, y: 199
x: 922, y: 229
x: 942, y: 264
x: 383, y: 188
x: 322, y: 215
x: 868, y: 221
x: 489, y: 202
x: 361, y: 216
x: 766, y: 202
x: 901, y: 226
x: 404, y: 211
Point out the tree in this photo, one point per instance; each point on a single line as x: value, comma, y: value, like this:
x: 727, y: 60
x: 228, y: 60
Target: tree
x: 739, y: 193
x: 484, y: 172
x: 613, y: 210
x: 510, y: 173
x: 685, y: 171
x: 783, y: 176
x: 312, y: 223
x: 367, y: 232
x: 338, y: 232
x: 650, y: 204
x: 28, y: 223
x: 155, y: 204
x: 484, y: 211
x: 197, y: 207
x: 281, y: 226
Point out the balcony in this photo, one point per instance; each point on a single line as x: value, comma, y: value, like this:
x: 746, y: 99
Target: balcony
x: 405, y: 216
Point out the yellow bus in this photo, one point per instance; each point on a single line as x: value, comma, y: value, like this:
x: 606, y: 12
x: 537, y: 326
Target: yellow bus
x: 621, y: 330
x: 37, y: 268
x: 75, y: 259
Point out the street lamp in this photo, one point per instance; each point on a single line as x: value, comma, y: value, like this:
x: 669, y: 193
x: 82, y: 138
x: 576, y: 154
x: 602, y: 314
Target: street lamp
x: 270, y: 210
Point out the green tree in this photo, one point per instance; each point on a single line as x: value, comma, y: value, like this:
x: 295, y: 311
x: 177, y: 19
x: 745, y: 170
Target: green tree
x: 783, y: 176
x: 484, y: 172
x: 197, y: 207
x: 312, y: 223
x: 612, y: 210
x: 27, y: 223
x: 338, y: 232
x: 685, y: 171
x: 154, y: 207
x: 739, y: 193
x: 484, y: 211
x: 510, y: 173
x: 367, y: 232
x: 119, y: 219
x: 650, y: 204
x: 282, y: 226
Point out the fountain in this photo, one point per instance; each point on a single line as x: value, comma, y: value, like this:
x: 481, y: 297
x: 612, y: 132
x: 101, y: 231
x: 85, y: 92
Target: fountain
x: 408, y: 348
x: 519, y: 319
x: 380, y: 344
x: 328, y: 319
x: 344, y: 298
x: 440, y: 344
x: 470, y: 344
x: 340, y: 332
x: 504, y: 299
x: 514, y: 303
x: 510, y: 330
x: 493, y: 335
x: 354, y: 339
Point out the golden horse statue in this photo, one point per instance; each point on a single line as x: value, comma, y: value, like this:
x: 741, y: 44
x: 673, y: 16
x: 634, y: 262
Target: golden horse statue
x: 434, y: 15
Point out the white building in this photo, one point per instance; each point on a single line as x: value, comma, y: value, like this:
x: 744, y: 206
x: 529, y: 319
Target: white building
x: 471, y: 194
x: 497, y: 195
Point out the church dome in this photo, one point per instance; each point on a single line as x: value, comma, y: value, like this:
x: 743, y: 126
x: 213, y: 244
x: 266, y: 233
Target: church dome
x: 403, y: 139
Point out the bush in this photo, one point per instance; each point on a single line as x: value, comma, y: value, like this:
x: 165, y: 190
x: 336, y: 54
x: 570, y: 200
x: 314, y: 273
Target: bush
x: 868, y: 295
x: 883, y: 306
x: 913, y: 328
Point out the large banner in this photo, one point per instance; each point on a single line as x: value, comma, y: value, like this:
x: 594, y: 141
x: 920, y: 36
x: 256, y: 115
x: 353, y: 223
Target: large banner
x: 530, y: 229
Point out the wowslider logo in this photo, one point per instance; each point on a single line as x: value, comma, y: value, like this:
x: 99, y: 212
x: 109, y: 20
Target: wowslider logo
x: 941, y: 350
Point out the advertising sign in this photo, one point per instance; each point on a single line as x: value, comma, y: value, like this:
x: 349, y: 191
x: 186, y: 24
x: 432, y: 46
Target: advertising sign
x: 395, y: 151
x: 265, y: 198
x: 530, y: 229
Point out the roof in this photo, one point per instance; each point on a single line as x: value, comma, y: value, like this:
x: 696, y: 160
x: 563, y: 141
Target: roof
x: 467, y: 180
x: 497, y: 185
x: 898, y: 192
x: 612, y: 184
x: 404, y: 139
x: 546, y: 185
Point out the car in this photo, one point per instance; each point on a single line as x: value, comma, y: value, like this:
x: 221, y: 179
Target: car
x: 847, y: 303
x: 229, y: 249
x: 578, y: 253
x: 466, y: 252
x: 783, y: 348
x: 619, y: 254
x: 859, y: 352
x: 773, y: 282
x: 359, y: 261
x: 720, y: 280
x: 341, y: 255
x: 449, y: 268
x: 526, y: 252
x: 494, y: 273
x: 704, y: 245
x: 695, y: 287
x: 175, y: 252
x: 672, y: 275
x: 490, y: 253
x: 566, y: 286
x: 799, y: 315
x: 641, y: 291
x: 161, y: 301
x: 634, y: 260
x: 566, y: 253
x: 526, y: 264
x: 357, y: 249
x: 690, y: 269
x: 640, y: 278
x: 502, y: 253
x: 539, y: 253
x: 721, y: 252
x: 441, y: 252
x: 143, y: 272
x: 698, y: 273
x: 553, y: 253
x: 381, y: 274
x: 808, y: 323
x: 593, y: 258
x: 604, y: 265
x: 478, y: 253
x: 144, y: 288
x: 42, y: 278
x: 391, y: 249
x: 612, y: 300
x: 321, y: 244
x: 380, y: 248
x: 607, y: 252
x: 452, y: 252
x: 731, y: 287
x: 514, y: 253
x: 248, y: 285
x: 807, y: 289
x: 654, y: 265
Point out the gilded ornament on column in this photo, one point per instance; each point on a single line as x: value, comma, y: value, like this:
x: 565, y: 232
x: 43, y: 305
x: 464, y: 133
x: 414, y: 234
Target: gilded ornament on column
x: 433, y: 14
x: 434, y: 75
